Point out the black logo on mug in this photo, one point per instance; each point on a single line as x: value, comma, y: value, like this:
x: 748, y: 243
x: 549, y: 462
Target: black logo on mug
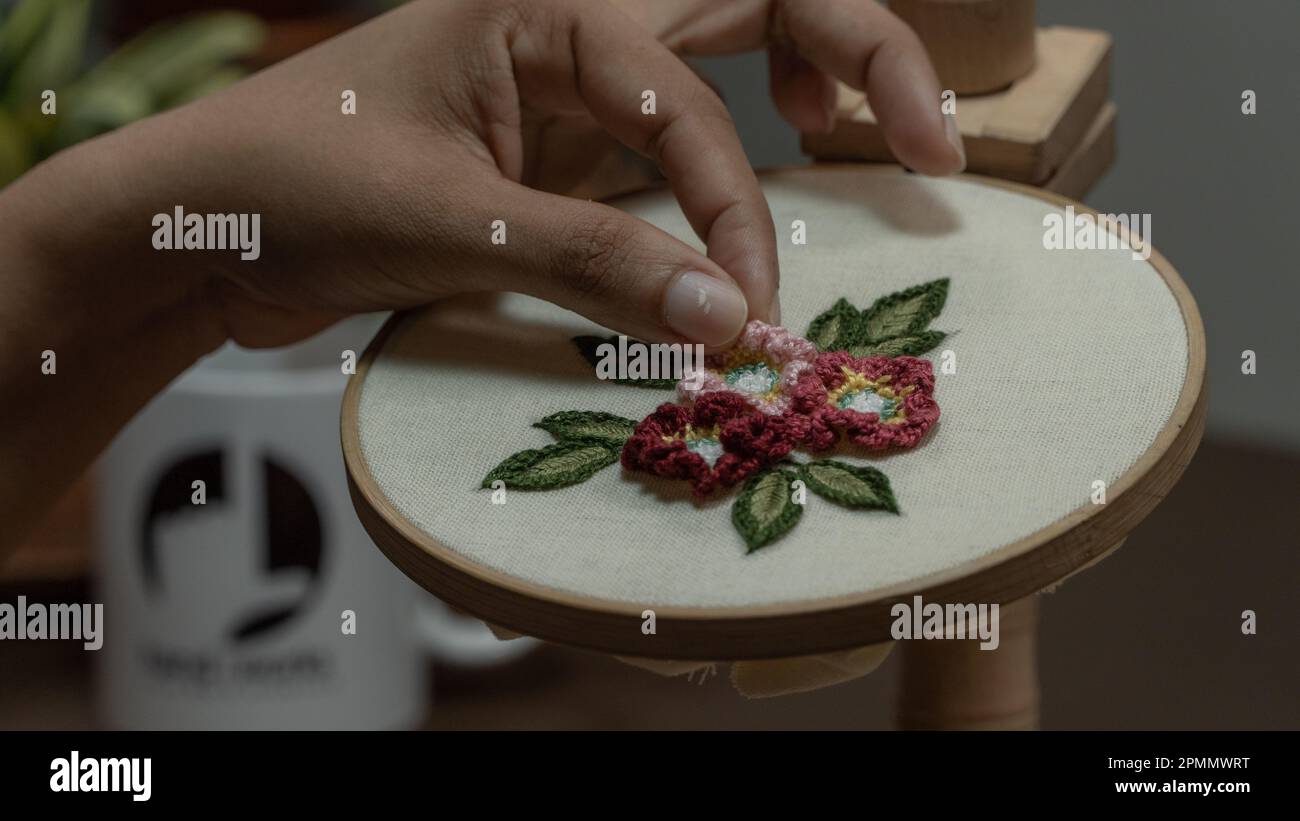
x: 280, y: 539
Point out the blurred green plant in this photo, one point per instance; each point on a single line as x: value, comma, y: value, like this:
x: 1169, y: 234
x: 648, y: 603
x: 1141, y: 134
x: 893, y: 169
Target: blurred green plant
x: 43, y: 45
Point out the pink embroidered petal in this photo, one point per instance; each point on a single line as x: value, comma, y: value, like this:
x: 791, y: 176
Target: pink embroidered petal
x: 764, y: 367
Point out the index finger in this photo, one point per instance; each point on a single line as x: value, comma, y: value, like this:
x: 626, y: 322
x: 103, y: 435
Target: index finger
x: 863, y: 44
x: 609, y: 64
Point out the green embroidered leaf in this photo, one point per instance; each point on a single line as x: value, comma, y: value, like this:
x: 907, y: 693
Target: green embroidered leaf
x: 564, y: 463
x: 765, y: 509
x: 849, y: 485
x: 893, y: 326
x: 587, y: 346
x: 914, y: 345
x: 906, y: 312
x: 588, y: 426
x: 833, y: 329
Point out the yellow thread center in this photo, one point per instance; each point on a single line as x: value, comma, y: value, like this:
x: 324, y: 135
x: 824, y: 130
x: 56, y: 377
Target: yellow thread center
x: 693, y: 434
x: 855, y: 382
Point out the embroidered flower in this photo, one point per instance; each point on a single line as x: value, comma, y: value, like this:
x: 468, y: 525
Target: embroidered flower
x: 744, y: 411
x: 876, y: 402
x: 764, y: 367
x: 717, y: 442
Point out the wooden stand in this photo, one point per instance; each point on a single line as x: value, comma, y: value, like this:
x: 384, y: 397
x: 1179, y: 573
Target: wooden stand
x: 977, y: 46
x: 1025, y: 133
x: 954, y: 685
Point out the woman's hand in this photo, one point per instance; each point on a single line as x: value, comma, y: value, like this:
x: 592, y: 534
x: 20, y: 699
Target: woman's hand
x: 813, y: 43
x: 394, y: 206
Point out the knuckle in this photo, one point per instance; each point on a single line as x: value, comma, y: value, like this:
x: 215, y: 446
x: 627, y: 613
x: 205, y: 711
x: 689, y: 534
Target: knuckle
x: 704, y: 115
x: 596, y: 251
x: 532, y: 11
x: 520, y: 15
x: 899, y: 35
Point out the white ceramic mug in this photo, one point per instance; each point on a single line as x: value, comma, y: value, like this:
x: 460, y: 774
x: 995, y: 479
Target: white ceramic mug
x: 239, y: 589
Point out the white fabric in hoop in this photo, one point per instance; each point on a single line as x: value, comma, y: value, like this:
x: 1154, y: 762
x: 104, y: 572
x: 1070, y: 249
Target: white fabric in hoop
x: 1068, y: 364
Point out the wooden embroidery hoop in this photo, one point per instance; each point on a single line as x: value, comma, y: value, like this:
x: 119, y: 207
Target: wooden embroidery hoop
x: 1038, y: 561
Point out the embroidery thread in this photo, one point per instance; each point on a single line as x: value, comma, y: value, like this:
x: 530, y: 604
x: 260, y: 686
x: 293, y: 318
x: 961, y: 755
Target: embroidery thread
x: 849, y: 485
x: 588, y: 426
x: 894, y: 325
x: 765, y: 510
x: 853, y: 381
x: 764, y: 367
x: 564, y: 463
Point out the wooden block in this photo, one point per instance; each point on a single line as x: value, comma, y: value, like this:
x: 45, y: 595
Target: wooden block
x: 1090, y: 160
x: 1024, y: 133
x: 976, y: 46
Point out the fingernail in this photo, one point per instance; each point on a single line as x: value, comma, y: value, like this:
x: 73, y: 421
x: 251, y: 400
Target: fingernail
x: 954, y: 137
x: 704, y: 309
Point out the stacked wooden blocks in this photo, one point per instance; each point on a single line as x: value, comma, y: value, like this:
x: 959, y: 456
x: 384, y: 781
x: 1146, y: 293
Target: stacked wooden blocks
x: 1053, y: 127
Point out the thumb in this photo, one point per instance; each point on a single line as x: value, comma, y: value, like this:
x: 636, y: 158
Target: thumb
x: 615, y: 269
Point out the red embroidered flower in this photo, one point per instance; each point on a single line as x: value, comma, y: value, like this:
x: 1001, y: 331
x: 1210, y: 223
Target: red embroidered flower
x: 717, y: 442
x: 876, y: 402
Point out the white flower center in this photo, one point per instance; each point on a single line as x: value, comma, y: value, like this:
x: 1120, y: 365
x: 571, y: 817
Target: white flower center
x: 868, y: 401
x: 756, y: 378
x: 710, y: 450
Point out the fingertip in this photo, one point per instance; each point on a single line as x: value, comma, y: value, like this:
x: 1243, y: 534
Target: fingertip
x: 704, y: 308
x: 906, y: 97
x: 932, y: 148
